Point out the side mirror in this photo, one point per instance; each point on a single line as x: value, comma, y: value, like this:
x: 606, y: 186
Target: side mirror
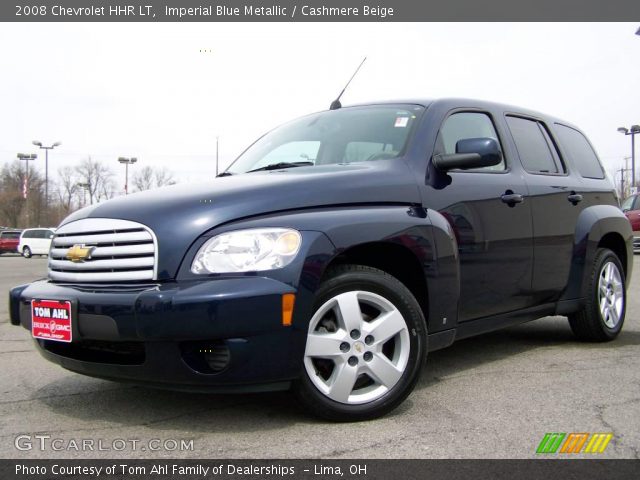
x: 470, y: 153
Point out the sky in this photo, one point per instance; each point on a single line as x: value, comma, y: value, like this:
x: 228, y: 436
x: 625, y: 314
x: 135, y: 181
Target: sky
x: 164, y: 92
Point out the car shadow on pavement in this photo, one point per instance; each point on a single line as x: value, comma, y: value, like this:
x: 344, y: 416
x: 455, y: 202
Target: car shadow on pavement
x: 121, y: 405
x: 91, y: 402
x: 474, y: 352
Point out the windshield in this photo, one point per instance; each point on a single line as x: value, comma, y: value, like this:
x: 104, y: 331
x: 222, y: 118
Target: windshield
x: 346, y: 135
x: 626, y: 205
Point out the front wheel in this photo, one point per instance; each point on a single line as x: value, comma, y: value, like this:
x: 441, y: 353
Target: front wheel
x: 26, y: 252
x: 366, y: 344
x: 602, y: 316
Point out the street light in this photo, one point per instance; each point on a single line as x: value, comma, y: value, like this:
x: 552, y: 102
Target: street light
x: 26, y: 157
x: 84, y: 186
x: 127, y: 162
x: 632, y: 131
x: 46, y: 165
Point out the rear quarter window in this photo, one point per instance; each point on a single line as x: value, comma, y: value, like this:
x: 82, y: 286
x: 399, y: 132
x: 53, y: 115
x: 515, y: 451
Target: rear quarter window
x: 579, y: 151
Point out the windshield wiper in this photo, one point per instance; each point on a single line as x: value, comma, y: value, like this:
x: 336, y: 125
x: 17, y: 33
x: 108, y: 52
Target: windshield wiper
x: 276, y: 166
x: 224, y: 174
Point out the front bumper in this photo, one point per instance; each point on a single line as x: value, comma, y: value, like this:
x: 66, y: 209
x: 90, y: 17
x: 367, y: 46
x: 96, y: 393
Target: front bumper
x: 222, y: 334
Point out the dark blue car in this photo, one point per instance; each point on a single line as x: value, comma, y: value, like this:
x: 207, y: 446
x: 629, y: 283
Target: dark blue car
x: 335, y: 253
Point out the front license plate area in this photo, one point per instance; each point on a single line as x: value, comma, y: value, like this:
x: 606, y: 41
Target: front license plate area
x: 51, y: 320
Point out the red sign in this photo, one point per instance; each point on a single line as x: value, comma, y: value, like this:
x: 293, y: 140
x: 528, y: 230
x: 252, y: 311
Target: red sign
x: 51, y: 320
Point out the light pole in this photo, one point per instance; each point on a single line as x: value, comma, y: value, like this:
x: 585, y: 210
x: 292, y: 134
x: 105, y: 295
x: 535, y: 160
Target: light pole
x: 46, y: 166
x: 217, y: 143
x: 84, y: 186
x: 633, y: 130
x: 26, y: 157
x: 127, y: 162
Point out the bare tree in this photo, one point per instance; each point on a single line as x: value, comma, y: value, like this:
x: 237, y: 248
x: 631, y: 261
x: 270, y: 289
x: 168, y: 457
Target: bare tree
x: 13, y: 205
x: 98, y: 178
x: 67, y: 188
x: 149, y: 177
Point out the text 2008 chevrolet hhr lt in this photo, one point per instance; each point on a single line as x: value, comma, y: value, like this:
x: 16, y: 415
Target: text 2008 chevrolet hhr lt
x: 335, y: 252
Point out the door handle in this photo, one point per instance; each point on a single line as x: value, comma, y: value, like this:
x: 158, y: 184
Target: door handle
x: 511, y: 198
x: 575, y: 198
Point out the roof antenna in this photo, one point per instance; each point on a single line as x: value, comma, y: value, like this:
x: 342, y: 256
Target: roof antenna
x: 336, y: 103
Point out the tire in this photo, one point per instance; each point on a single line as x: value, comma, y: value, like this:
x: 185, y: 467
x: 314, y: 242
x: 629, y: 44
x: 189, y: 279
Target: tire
x: 26, y: 252
x: 348, y: 373
x: 602, y: 316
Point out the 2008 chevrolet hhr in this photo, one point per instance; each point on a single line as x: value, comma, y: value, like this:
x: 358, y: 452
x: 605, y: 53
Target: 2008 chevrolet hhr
x: 335, y: 252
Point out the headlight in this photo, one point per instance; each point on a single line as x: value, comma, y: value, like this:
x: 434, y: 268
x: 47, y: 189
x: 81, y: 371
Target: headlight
x: 247, y: 251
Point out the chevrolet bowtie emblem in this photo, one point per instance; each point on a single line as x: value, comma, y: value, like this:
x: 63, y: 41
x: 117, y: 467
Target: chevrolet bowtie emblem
x: 79, y: 253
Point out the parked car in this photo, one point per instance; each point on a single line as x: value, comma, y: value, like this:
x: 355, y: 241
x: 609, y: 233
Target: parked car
x: 335, y: 252
x: 9, y: 241
x: 631, y: 209
x: 35, y: 241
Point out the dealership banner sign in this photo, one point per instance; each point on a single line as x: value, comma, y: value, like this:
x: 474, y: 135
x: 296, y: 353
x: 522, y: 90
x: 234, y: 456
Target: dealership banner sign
x: 317, y: 10
x: 357, y: 469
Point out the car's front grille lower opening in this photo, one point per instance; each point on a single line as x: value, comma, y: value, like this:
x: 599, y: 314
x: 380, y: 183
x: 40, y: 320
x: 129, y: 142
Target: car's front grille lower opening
x: 97, y: 351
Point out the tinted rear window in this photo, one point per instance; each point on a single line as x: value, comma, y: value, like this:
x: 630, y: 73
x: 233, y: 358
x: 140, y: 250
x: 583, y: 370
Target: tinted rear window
x: 34, y: 234
x: 577, y: 148
x: 11, y: 235
x: 534, y: 146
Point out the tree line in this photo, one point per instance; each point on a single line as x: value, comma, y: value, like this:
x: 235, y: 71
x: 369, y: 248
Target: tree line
x: 91, y: 181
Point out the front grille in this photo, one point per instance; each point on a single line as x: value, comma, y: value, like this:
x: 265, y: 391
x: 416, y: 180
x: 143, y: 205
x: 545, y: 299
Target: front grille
x: 121, y: 251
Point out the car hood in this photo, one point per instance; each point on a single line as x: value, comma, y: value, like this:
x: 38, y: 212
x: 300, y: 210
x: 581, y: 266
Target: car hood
x: 179, y: 214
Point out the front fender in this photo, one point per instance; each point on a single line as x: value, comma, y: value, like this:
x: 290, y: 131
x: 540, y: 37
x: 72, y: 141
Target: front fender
x: 425, y: 233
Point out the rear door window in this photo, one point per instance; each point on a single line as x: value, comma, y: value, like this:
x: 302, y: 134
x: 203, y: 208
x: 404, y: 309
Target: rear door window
x: 579, y: 151
x: 535, y: 147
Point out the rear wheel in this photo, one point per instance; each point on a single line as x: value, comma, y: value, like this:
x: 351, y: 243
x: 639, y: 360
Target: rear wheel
x: 366, y: 344
x: 26, y: 252
x: 602, y: 316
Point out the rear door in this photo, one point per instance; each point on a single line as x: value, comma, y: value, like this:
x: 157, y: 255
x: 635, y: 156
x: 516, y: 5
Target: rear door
x: 46, y: 242
x: 556, y: 201
x: 39, y: 242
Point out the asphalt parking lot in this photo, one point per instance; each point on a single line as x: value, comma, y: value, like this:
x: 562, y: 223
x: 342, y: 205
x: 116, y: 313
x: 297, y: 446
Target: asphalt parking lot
x: 494, y: 396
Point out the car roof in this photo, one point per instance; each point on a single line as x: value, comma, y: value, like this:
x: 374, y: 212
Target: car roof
x: 454, y: 102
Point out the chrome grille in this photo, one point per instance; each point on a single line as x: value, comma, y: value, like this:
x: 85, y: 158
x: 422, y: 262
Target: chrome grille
x: 123, y: 251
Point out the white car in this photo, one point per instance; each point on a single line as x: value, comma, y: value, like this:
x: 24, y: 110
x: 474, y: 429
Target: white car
x: 35, y: 241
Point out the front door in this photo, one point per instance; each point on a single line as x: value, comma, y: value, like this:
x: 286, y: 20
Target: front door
x: 490, y: 214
